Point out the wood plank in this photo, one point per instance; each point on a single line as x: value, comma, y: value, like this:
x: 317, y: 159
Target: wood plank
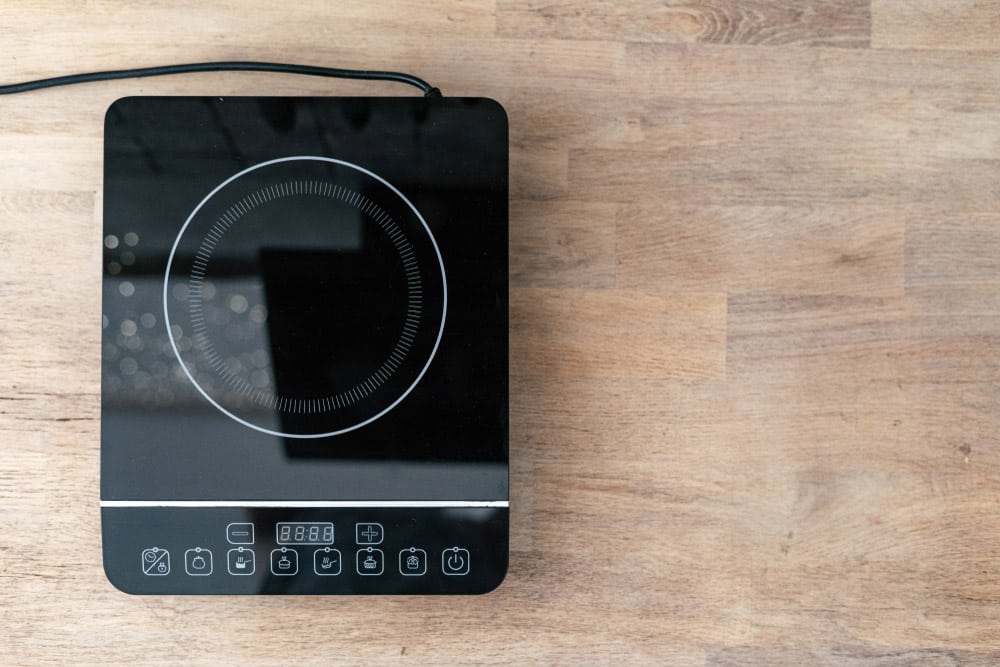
x: 858, y: 339
x: 554, y: 333
x: 740, y: 75
x: 47, y: 337
x: 818, y: 249
x: 816, y: 22
x: 36, y: 29
x: 755, y: 656
x: 558, y: 243
x: 538, y: 172
x: 953, y: 246
x: 965, y: 25
x: 728, y: 176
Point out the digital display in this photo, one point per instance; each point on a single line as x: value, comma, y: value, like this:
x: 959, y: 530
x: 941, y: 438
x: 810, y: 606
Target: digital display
x: 305, y: 533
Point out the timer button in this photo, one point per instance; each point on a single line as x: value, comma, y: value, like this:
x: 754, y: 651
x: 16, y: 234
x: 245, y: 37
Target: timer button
x: 155, y: 562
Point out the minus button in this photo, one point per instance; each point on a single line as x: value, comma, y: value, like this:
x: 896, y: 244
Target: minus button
x: 239, y: 533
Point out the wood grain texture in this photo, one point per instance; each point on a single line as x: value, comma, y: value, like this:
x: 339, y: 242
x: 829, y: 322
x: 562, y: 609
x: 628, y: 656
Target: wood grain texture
x: 754, y: 330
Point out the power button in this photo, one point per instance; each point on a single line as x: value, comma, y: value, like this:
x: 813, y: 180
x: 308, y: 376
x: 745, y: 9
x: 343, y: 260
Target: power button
x: 455, y: 561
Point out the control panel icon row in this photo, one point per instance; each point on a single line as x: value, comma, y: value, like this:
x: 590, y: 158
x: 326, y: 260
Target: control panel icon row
x: 284, y: 561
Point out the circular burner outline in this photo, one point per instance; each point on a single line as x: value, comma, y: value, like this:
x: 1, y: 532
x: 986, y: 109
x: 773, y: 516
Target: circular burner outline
x: 294, y: 158
x: 275, y: 192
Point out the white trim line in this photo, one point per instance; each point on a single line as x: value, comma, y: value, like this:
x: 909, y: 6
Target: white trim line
x: 305, y: 503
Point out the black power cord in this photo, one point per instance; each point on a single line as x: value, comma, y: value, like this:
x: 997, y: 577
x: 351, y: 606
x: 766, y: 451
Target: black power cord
x: 239, y: 66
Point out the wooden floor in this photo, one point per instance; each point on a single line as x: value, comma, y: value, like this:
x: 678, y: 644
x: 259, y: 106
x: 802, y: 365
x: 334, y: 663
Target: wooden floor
x: 755, y: 330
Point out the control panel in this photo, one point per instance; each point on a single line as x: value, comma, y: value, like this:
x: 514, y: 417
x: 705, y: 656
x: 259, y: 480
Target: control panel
x: 323, y: 551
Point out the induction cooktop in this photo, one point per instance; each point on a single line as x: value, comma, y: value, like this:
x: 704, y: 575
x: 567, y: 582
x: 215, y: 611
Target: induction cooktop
x: 304, y: 376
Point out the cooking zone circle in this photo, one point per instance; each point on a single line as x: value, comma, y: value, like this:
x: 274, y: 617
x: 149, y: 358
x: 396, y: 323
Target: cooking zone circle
x: 305, y: 297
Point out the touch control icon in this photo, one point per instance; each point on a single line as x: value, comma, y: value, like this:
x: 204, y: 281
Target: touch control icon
x: 198, y: 562
x: 326, y: 562
x: 155, y: 561
x: 370, y: 562
x: 368, y: 533
x: 239, y: 533
x: 241, y: 561
x: 412, y: 562
x: 455, y: 561
x: 284, y: 562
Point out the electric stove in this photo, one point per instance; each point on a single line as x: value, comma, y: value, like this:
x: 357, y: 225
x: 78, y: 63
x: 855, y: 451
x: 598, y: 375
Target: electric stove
x: 304, y: 376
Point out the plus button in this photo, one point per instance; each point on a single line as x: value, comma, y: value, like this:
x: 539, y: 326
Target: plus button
x: 368, y: 533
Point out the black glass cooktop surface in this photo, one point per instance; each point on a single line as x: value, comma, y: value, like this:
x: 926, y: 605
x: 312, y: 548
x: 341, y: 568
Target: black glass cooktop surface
x: 305, y: 336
